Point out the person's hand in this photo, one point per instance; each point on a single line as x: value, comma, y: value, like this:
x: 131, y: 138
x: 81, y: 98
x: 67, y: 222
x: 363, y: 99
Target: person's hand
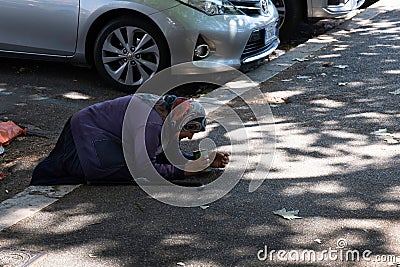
x: 198, y: 166
x: 221, y: 159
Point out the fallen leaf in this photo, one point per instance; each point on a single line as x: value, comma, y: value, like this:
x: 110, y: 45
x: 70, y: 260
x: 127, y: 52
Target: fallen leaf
x: 397, y: 92
x: 300, y: 59
x: 380, y: 132
x: 341, y: 66
x: 323, y: 74
x: 303, y: 77
x: 276, y: 100
x: 327, y: 64
x: 391, y: 140
x: 289, y: 215
x: 180, y: 264
x: 342, y: 83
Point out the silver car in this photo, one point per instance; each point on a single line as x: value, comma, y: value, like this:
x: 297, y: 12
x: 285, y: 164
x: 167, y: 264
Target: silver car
x: 292, y: 12
x: 128, y: 41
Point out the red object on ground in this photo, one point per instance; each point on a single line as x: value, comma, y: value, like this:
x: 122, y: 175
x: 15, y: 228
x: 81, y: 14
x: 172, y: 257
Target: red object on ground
x: 8, y: 131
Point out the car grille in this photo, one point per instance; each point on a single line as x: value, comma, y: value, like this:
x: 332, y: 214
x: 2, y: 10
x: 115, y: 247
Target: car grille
x: 256, y: 44
x: 250, y: 8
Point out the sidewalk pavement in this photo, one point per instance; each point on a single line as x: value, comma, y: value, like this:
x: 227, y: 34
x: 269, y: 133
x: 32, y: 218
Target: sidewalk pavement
x: 338, y: 89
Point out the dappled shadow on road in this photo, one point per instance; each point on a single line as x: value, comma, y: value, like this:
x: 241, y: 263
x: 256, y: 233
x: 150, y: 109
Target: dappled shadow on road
x: 344, y: 180
x: 129, y: 228
x: 40, y: 96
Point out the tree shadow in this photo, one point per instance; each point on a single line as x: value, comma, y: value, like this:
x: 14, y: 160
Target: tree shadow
x: 343, y: 180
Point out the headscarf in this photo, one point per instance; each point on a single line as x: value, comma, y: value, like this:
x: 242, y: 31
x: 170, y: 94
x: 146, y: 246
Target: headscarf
x: 186, y: 112
x: 182, y: 111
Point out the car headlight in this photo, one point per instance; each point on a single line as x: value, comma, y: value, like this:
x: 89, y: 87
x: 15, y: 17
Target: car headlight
x: 213, y: 7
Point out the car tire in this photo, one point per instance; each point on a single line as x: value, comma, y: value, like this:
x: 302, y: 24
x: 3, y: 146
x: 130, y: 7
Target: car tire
x: 129, y: 51
x: 291, y: 13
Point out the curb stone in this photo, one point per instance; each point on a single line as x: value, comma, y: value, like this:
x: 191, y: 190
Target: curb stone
x: 30, y: 201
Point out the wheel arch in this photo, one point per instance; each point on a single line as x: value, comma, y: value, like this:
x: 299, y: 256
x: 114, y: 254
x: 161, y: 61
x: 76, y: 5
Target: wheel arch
x: 101, y: 22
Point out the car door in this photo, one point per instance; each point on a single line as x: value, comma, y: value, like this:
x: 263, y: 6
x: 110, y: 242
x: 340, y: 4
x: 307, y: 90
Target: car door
x: 39, y: 26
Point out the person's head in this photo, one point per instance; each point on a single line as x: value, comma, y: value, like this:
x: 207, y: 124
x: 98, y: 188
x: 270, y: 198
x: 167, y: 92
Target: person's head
x: 193, y: 126
x: 186, y: 117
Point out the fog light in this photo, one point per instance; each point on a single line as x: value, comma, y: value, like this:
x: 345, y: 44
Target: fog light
x: 202, y: 51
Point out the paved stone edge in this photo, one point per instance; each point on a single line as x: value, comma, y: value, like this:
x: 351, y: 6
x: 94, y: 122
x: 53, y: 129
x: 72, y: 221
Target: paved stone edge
x: 30, y: 201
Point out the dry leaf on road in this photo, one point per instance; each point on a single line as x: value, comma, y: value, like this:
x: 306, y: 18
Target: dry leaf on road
x: 391, y: 140
x: 327, y: 64
x: 397, y: 92
x: 288, y: 215
x: 381, y: 132
x: 276, y: 100
x: 300, y: 59
x: 341, y: 66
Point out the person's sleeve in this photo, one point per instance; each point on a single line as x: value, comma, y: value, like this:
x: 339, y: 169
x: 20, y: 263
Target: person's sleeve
x: 152, y: 143
x: 189, y: 156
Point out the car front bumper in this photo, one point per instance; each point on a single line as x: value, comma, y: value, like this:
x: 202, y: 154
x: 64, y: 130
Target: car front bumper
x: 233, y: 39
x: 330, y: 9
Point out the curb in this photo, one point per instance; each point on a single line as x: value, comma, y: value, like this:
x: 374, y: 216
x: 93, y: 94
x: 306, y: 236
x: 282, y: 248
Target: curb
x: 30, y: 201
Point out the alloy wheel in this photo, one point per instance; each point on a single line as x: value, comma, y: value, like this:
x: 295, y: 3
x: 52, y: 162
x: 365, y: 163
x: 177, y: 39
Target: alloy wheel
x: 130, y: 55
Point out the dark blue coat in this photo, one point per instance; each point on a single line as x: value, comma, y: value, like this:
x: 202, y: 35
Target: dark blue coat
x: 97, y: 133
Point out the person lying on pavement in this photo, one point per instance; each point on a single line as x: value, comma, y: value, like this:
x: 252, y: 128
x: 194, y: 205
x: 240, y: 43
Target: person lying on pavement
x: 89, y: 149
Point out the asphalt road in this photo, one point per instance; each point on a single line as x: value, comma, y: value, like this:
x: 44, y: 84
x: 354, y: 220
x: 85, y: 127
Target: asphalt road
x: 343, y: 180
x: 41, y: 96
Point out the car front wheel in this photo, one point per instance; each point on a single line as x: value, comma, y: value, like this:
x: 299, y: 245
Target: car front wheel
x: 127, y: 52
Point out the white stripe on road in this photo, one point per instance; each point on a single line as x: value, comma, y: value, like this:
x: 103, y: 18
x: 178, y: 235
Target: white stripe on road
x: 30, y: 201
